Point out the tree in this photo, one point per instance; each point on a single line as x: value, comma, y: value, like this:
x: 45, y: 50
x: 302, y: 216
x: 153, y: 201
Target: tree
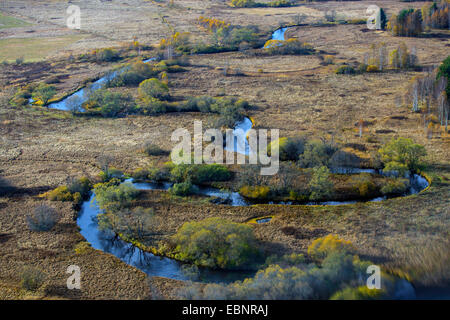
x: 43, y: 93
x: 402, y: 154
x: 444, y: 71
x: 153, y: 88
x: 320, y: 184
x: 383, y: 19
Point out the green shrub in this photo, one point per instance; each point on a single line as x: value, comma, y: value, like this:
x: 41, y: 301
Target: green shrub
x: 200, y: 173
x: 152, y: 149
x: 106, y: 55
x: 43, y: 218
x: 216, y: 243
x: 153, y: 88
x: 344, y: 69
x: 289, y: 46
x: 320, y: 185
x: 316, y: 154
x: 133, y: 75
x: 183, y: 189
x: 32, y: 278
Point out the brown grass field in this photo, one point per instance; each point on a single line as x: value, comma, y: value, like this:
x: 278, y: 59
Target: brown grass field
x: 40, y: 148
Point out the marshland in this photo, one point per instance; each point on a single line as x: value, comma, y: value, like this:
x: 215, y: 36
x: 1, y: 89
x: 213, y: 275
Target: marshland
x: 86, y: 170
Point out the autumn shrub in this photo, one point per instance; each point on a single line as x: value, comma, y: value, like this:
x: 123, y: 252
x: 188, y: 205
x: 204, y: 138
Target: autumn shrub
x: 359, y: 293
x: 216, y: 243
x: 43, y: 218
x: 297, y: 282
x: 255, y: 192
x: 372, y: 68
x: 322, y: 247
x: 61, y: 193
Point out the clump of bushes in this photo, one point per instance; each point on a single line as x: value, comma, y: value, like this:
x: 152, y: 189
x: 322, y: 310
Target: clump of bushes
x: 216, y: 243
x: 106, y: 55
x: 109, y: 104
x: 77, y: 190
x: 200, y: 173
x: 359, y: 293
x: 254, y: 4
x: 23, y: 95
x: 111, y: 197
x: 295, y: 280
x: 133, y: 75
x: 289, y: 46
x: 231, y: 110
x: 364, y: 184
x: 32, y: 278
x: 43, y: 93
x: 395, y: 187
x: 131, y: 224
x: 43, y: 218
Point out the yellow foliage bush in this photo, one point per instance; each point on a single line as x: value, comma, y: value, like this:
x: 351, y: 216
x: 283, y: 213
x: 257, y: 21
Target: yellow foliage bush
x: 321, y: 247
x: 372, y: 68
x: 82, y: 247
x: 255, y: 192
x: 59, y: 194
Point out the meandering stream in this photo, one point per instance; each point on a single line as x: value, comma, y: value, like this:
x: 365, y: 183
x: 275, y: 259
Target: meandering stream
x: 160, y: 266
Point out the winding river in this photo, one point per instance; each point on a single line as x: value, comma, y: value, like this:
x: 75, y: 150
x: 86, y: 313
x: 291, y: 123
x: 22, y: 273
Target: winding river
x: 165, y: 267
